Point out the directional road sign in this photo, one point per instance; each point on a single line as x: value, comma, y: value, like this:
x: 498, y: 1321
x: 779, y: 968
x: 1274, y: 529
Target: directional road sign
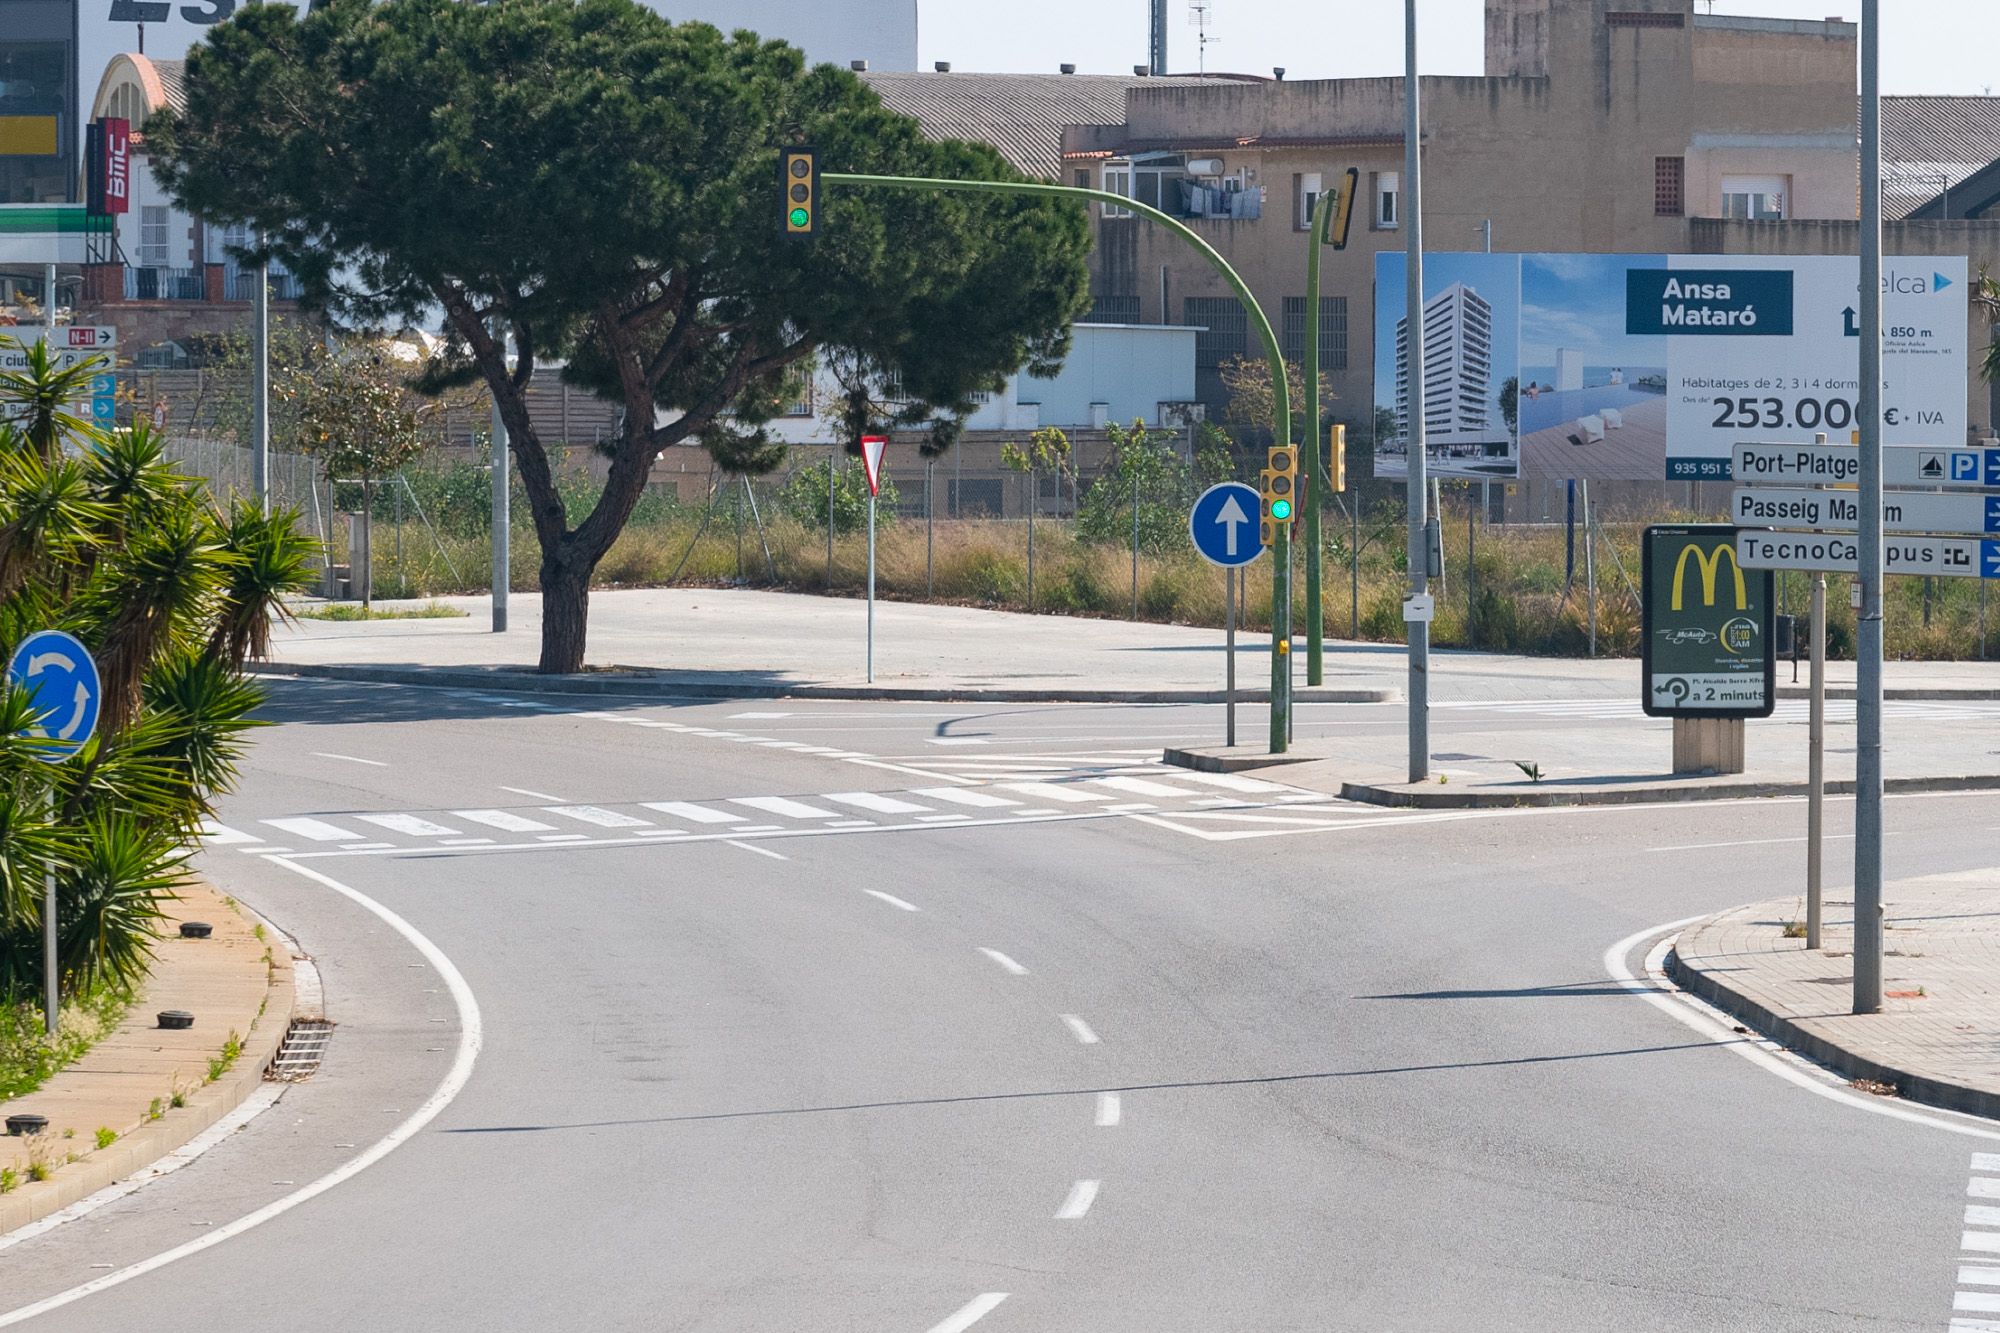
x: 1840, y: 465
x: 61, y: 679
x: 1840, y: 511
x: 1835, y: 553
x: 1223, y: 524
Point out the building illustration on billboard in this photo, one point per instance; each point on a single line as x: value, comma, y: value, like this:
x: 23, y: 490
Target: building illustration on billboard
x: 1653, y: 367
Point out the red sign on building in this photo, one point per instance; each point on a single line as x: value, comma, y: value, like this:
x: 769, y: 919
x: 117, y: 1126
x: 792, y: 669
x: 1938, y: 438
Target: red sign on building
x: 110, y: 165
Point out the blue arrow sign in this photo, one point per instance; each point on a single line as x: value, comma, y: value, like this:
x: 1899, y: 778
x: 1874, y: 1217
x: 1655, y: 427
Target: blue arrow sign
x: 1223, y: 524
x: 62, y: 682
x: 1989, y: 560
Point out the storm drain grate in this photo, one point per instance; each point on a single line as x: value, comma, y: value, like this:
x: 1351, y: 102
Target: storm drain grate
x: 301, y: 1051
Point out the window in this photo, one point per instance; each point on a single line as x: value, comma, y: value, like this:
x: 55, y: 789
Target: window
x: 1118, y: 180
x: 1112, y: 310
x: 1388, y: 201
x: 1225, y: 330
x: 1306, y: 189
x: 1082, y: 179
x: 153, y: 236
x: 1669, y: 187
x: 1759, y: 198
x: 1332, y: 331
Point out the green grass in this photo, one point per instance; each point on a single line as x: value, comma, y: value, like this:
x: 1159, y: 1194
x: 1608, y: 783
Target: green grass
x: 352, y: 611
x: 28, y: 1058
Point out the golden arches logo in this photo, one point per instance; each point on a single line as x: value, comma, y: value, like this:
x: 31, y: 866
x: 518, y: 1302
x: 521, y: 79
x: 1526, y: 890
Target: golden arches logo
x: 1710, y: 564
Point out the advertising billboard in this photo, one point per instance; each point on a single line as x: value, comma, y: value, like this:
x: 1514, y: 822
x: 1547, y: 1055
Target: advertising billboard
x: 1653, y: 367
x: 1706, y: 645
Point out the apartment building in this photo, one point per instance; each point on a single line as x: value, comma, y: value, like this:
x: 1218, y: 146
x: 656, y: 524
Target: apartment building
x: 1458, y: 375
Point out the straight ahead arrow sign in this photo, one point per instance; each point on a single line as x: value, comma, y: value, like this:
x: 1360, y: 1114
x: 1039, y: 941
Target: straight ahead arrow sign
x: 1231, y: 516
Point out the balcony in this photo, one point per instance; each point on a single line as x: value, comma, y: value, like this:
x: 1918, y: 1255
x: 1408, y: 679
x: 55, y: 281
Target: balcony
x: 148, y: 283
x: 240, y: 284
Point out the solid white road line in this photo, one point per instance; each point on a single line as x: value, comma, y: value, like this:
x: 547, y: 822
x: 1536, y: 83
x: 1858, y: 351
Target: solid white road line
x: 349, y: 758
x: 409, y: 824
x: 890, y: 899
x: 1004, y: 961
x: 1717, y: 1027
x: 697, y: 814
x: 959, y: 796
x: 1080, y: 1029
x: 761, y: 851
x: 590, y: 814
x: 1081, y: 1196
x: 470, y: 1038
x: 781, y: 805
x: 316, y: 830
x: 882, y: 805
x: 1109, y: 1110
x: 504, y: 820
x: 975, y: 1310
x: 533, y: 795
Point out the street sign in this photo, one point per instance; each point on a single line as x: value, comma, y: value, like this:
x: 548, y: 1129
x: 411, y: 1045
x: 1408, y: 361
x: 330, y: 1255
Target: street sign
x: 1840, y: 511
x: 1419, y: 608
x: 1835, y: 553
x: 1840, y: 465
x: 62, y: 682
x: 1706, y: 647
x: 872, y: 449
x: 1223, y: 524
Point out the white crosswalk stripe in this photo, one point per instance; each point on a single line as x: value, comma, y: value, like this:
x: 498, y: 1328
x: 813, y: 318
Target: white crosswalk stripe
x: 224, y: 836
x: 694, y: 814
x: 883, y: 805
x: 1063, y: 793
x: 505, y: 821
x: 782, y: 805
x: 964, y: 796
x: 314, y: 830
x: 410, y: 824
x: 1140, y: 787
x: 590, y: 814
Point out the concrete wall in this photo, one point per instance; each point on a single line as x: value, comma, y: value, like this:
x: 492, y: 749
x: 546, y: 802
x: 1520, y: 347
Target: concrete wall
x: 1131, y: 369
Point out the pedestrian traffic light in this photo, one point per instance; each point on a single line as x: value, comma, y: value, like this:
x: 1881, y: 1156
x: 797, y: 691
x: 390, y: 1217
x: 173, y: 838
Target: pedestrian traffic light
x: 799, y: 183
x: 1337, y: 459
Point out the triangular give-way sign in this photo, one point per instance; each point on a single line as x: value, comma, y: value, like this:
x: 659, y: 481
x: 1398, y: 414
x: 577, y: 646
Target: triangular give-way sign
x: 872, y: 449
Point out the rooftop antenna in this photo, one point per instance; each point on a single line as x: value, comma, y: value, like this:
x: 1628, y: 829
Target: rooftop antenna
x: 1200, y: 12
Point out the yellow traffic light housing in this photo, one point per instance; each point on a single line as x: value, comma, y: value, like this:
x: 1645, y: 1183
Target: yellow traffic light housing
x: 1279, y: 485
x: 1341, y: 215
x: 1337, y: 459
x: 798, y: 181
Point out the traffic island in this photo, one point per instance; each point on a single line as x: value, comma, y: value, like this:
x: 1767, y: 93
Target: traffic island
x: 1937, y: 1039
x: 149, y: 1086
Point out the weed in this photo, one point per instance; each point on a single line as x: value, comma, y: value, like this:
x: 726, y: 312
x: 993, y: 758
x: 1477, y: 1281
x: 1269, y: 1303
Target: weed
x: 106, y: 1137
x: 180, y: 1094
x: 258, y: 931
x: 230, y: 1050
x: 153, y: 1109
x: 1795, y: 930
x: 1533, y: 770
x: 10, y: 1180
x: 69, y: 1132
x: 42, y: 1155
x: 348, y: 611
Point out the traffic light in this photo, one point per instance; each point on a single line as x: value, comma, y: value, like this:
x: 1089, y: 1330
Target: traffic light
x: 799, y: 182
x: 1280, y: 491
x: 1341, y: 214
x: 1337, y: 459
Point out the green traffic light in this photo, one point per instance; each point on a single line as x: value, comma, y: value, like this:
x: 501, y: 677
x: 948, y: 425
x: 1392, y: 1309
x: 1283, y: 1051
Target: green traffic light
x: 1281, y: 509
x: 800, y: 217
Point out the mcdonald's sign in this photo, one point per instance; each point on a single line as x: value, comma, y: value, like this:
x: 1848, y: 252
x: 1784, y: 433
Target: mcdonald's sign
x: 1707, y: 645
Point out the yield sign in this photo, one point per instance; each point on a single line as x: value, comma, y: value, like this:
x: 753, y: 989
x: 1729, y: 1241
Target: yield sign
x: 872, y: 449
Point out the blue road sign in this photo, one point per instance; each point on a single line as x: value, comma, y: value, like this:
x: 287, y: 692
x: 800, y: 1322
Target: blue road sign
x: 1223, y: 524
x: 62, y: 681
x: 1989, y: 560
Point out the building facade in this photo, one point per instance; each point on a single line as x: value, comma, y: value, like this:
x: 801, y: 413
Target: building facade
x: 1458, y: 374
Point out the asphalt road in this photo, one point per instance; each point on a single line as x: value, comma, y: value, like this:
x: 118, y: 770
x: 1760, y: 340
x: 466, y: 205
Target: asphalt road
x: 913, y: 1017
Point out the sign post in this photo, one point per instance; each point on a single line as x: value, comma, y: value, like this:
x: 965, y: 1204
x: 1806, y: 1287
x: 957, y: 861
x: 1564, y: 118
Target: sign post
x: 1224, y: 529
x: 1706, y: 647
x: 872, y: 449
x: 64, y: 689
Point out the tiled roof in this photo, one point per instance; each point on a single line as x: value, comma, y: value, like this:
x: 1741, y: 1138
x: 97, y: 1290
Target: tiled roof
x: 1927, y: 140
x: 170, y: 81
x: 1021, y: 115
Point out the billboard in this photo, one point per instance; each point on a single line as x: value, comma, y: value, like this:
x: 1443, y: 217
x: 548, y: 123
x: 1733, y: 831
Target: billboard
x: 1653, y: 367
x: 1706, y: 647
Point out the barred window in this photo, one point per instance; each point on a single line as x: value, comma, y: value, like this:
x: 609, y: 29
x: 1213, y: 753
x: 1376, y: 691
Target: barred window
x: 1225, y: 330
x: 1669, y: 187
x: 1332, y: 331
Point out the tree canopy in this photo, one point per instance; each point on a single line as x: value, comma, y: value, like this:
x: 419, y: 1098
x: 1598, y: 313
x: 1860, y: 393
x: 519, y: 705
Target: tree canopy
x: 586, y: 181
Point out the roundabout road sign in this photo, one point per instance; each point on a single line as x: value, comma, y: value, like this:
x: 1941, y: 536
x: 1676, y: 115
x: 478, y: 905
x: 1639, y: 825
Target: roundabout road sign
x: 61, y: 679
x: 1223, y: 524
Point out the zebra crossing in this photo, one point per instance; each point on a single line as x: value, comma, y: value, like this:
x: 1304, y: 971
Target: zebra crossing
x: 1160, y: 791
x: 1788, y: 710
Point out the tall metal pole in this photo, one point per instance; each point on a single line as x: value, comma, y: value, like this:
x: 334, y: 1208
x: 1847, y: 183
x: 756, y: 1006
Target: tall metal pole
x: 502, y: 522
x: 1418, y: 492
x: 1229, y: 653
x: 1816, y: 766
x: 831, y: 482
x: 260, y: 392
x: 1868, y: 655
x: 871, y: 589
x: 49, y: 303
x: 1318, y: 483
x: 51, y: 978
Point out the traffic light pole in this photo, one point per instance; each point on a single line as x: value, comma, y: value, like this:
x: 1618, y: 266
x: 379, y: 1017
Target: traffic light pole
x: 1281, y: 404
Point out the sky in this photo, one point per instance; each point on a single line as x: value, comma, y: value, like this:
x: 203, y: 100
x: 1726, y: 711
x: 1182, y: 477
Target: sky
x: 1325, y: 39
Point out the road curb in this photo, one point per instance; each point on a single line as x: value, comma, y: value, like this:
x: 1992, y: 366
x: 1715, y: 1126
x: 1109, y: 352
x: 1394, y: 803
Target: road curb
x: 653, y: 685
x: 1941, y: 1093
x: 1204, y: 761
x: 1441, y: 799
x: 140, y: 1147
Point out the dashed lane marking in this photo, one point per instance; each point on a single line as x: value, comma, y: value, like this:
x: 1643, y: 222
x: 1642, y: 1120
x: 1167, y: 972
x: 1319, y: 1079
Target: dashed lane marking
x: 1079, y: 1029
x: 974, y: 1310
x: 1007, y: 964
x: 1081, y: 1196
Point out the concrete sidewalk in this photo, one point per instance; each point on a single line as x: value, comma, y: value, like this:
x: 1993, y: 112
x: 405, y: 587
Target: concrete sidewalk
x: 233, y: 982
x: 1937, y: 1040
x: 750, y: 643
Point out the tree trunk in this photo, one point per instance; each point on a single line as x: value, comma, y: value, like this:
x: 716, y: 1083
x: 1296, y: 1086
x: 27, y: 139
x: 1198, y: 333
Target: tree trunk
x: 565, y: 614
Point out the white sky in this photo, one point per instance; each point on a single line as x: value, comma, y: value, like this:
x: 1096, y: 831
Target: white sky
x: 1928, y: 46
